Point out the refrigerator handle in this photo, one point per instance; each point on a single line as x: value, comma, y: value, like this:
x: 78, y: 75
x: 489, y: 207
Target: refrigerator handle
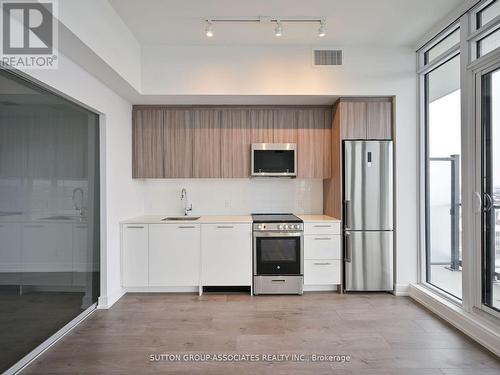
x: 347, y: 214
x: 347, y: 247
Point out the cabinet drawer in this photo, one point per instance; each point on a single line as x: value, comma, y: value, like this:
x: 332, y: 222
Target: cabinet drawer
x: 321, y: 271
x: 322, y: 246
x: 322, y: 228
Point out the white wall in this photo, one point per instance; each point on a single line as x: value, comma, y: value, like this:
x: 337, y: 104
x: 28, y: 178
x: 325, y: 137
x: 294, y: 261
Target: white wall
x: 272, y: 70
x: 123, y: 196
x: 234, y: 196
x: 97, y: 25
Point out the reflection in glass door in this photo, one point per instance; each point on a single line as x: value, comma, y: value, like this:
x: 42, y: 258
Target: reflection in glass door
x: 49, y: 216
x: 490, y: 109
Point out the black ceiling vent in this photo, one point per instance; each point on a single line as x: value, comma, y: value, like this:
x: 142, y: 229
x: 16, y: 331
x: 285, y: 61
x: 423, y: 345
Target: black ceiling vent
x: 327, y: 57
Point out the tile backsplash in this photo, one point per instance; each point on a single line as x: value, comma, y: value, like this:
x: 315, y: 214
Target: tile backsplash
x: 234, y: 196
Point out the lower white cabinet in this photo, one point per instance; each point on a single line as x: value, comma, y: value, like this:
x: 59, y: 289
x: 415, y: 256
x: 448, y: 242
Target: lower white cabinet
x: 174, y: 255
x: 322, y: 271
x: 135, y: 248
x: 322, y: 254
x: 226, y: 254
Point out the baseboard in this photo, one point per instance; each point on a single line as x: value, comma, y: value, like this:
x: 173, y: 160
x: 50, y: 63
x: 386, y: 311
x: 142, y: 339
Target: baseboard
x: 105, y: 302
x: 402, y: 290
x: 479, y: 329
x: 162, y: 289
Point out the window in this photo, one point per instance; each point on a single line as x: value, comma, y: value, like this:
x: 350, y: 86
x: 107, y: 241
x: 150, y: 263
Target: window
x: 443, y: 148
x: 443, y: 46
x: 488, y: 43
x: 488, y: 13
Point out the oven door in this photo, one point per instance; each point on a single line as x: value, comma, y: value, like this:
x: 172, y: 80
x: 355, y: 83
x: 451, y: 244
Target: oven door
x: 277, y: 253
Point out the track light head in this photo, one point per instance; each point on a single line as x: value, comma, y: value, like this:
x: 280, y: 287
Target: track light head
x: 322, y: 28
x: 208, y: 29
x: 278, y: 31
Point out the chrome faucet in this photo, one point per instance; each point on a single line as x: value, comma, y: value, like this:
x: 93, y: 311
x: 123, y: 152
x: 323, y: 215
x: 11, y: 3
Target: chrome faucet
x: 187, y: 208
x: 79, y: 208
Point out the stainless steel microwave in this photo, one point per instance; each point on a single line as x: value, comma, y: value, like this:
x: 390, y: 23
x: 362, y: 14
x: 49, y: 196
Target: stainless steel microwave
x: 274, y: 159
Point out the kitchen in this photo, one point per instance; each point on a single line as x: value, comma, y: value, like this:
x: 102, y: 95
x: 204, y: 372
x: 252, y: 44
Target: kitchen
x: 264, y: 187
x: 266, y: 144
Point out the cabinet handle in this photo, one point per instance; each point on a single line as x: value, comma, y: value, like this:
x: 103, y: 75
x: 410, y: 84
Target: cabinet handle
x: 225, y: 226
x: 323, y: 238
x: 322, y: 264
x: 135, y: 227
x: 278, y: 281
x: 186, y: 226
x: 322, y: 226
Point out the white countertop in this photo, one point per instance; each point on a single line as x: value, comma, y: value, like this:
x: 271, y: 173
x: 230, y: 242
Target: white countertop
x: 207, y: 219
x: 316, y: 218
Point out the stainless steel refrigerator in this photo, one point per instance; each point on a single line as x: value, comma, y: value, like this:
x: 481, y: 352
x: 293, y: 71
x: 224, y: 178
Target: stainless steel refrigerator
x: 368, y: 215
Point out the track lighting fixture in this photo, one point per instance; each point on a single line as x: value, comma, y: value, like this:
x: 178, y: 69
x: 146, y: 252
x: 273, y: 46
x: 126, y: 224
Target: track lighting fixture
x: 208, y: 29
x: 278, y: 31
x: 322, y: 28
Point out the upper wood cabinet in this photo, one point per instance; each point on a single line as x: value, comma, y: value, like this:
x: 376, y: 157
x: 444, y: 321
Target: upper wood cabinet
x: 207, y: 143
x: 215, y: 142
x: 310, y: 146
x: 235, y: 143
x: 353, y: 119
x: 285, y: 125
x: 379, y: 120
x: 147, y: 143
x: 178, y: 141
x: 365, y: 119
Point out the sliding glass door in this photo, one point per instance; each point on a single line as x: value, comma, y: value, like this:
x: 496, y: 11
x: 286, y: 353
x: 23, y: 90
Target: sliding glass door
x: 490, y: 180
x: 49, y: 216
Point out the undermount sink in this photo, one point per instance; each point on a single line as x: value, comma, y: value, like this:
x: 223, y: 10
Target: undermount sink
x: 181, y: 218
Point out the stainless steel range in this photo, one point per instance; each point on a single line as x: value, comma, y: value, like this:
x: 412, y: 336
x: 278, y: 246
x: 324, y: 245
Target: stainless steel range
x: 278, y: 256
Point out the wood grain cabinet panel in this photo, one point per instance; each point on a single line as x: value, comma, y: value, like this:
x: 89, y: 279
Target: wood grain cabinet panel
x: 261, y: 120
x: 327, y: 143
x: 235, y: 143
x: 178, y: 136
x: 147, y: 143
x: 353, y: 119
x: 285, y: 125
x: 207, y: 143
x: 310, y: 145
x: 379, y: 120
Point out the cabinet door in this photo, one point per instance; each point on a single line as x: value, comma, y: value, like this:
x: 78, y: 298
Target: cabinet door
x: 10, y: 247
x: 285, y: 125
x: 206, y: 151
x: 322, y: 271
x: 47, y: 247
x: 353, y: 119
x: 226, y: 254
x: 135, y: 255
x: 174, y: 255
x: 261, y: 120
x: 379, y: 120
x: 178, y: 136
x: 327, y: 143
x: 235, y: 143
x: 147, y: 143
x: 310, y: 148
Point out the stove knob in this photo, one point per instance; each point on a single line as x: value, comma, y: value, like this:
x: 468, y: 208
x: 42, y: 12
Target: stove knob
x: 260, y: 226
x: 280, y: 226
x: 285, y: 226
x: 297, y: 226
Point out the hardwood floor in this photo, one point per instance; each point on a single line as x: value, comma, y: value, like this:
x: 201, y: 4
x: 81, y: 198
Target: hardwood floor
x: 382, y: 334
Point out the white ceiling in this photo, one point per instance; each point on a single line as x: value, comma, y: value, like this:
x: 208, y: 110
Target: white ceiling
x: 349, y: 22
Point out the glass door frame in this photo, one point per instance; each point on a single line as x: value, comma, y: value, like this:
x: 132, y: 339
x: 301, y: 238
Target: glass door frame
x: 488, y: 66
